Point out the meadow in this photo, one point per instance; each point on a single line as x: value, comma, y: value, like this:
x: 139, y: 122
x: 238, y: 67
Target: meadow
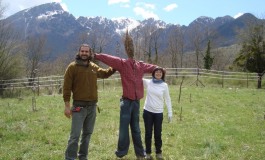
x: 209, y: 123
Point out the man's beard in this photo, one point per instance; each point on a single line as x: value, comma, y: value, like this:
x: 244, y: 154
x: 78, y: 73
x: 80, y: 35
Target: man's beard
x: 85, y: 58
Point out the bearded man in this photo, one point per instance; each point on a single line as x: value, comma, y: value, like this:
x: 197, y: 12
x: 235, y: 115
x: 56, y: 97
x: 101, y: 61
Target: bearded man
x: 80, y: 81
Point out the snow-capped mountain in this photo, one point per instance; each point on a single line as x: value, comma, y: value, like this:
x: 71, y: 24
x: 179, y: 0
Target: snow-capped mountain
x: 63, y: 30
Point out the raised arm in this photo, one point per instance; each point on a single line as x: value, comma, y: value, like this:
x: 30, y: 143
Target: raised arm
x: 112, y: 61
x: 148, y: 68
x: 101, y: 72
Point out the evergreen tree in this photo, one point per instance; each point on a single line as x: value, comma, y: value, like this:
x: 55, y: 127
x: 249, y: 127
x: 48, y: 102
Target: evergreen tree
x: 208, y: 60
x: 252, y: 54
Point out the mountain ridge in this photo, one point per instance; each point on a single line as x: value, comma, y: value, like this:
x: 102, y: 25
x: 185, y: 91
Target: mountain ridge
x: 63, y: 29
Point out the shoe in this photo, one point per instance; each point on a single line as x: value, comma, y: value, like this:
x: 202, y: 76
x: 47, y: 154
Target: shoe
x: 120, y: 157
x: 159, y: 156
x: 148, y: 156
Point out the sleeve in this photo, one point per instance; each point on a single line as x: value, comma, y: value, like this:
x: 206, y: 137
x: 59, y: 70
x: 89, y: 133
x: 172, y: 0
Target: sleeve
x: 68, y: 81
x: 148, y: 68
x: 168, y: 101
x: 101, y: 72
x: 145, y: 82
x: 113, y: 61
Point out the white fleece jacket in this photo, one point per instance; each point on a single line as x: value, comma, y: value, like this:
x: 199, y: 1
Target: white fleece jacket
x: 156, y: 94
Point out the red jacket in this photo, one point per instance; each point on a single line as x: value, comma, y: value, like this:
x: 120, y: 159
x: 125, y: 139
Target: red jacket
x: 131, y: 72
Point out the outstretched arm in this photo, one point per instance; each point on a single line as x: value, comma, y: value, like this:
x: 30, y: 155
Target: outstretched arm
x: 113, y: 61
x: 148, y: 68
x: 101, y: 72
x: 105, y: 73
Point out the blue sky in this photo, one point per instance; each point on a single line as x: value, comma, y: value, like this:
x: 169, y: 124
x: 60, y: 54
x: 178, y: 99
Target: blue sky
x: 180, y: 12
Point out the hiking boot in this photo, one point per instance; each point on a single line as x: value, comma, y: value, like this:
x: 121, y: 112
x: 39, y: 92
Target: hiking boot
x: 149, y: 157
x: 159, y: 156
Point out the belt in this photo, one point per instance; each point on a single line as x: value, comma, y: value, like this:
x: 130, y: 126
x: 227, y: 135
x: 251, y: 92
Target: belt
x: 84, y: 103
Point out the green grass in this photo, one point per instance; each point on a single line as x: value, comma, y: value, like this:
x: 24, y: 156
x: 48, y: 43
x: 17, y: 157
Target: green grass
x: 217, y: 123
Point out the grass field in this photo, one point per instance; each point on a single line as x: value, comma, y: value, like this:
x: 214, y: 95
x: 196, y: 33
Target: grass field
x: 215, y: 124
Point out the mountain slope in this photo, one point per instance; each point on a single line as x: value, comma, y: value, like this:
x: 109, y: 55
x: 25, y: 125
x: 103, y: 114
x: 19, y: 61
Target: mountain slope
x: 64, y: 32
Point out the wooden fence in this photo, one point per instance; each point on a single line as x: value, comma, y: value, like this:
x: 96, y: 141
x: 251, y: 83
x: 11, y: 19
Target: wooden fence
x: 172, y: 74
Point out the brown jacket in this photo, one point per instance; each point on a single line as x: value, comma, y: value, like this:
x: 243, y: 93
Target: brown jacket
x: 81, y: 81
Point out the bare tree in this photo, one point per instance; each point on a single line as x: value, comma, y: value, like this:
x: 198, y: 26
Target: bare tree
x: 56, y: 67
x: 223, y: 57
x: 146, y: 39
x: 98, y: 40
x: 9, y: 58
x: 176, y: 47
x: 155, y: 43
x: 34, y: 50
x: 196, y: 40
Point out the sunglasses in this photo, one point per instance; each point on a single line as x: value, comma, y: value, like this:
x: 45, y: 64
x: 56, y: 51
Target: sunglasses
x: 84, y: 51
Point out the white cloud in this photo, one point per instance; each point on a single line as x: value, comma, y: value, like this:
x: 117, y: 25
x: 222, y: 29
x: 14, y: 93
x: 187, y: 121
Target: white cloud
x: 110, y: 2
x: 149, y: 6
x: 145, y: 10
x: 145, y: 5
x: 18, y: 5
x: 170, y: 7
x: 145, y: 13
x: 238, y: 15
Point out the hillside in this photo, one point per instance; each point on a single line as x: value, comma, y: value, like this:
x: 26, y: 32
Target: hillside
x: 64, y: 32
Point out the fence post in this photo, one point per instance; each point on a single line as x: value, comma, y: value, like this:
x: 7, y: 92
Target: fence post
x: 103, y: 83
x: 247, y: 79
x: 223, y: 79
x: 38, y: 86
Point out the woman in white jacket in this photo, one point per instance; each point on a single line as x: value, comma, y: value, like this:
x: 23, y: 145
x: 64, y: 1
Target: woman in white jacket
x: 157, y: 93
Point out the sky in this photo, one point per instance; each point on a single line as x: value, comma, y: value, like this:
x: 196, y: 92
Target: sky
x: 181, y: 12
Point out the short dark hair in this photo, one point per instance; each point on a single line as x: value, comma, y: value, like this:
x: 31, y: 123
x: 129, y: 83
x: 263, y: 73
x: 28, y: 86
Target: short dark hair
x: 163, y: 73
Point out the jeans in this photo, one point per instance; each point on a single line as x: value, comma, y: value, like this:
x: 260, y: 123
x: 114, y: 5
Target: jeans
x: 129, y: 115
x: 83, y: 120
x: 153, y: 120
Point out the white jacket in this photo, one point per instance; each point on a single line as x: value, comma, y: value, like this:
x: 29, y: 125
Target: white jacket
x: 156, y: 94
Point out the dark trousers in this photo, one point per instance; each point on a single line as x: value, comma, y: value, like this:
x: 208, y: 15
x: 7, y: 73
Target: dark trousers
x: 153, y: 121
x: 129, y: 116
x: 84, y: 121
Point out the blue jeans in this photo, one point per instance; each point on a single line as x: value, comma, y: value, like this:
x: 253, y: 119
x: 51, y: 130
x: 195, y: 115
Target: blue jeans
x: 84, y: 121
x: 153, y: 120
x: 129, y: 116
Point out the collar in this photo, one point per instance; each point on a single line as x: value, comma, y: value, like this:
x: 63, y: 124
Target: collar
x: 157, y: 81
